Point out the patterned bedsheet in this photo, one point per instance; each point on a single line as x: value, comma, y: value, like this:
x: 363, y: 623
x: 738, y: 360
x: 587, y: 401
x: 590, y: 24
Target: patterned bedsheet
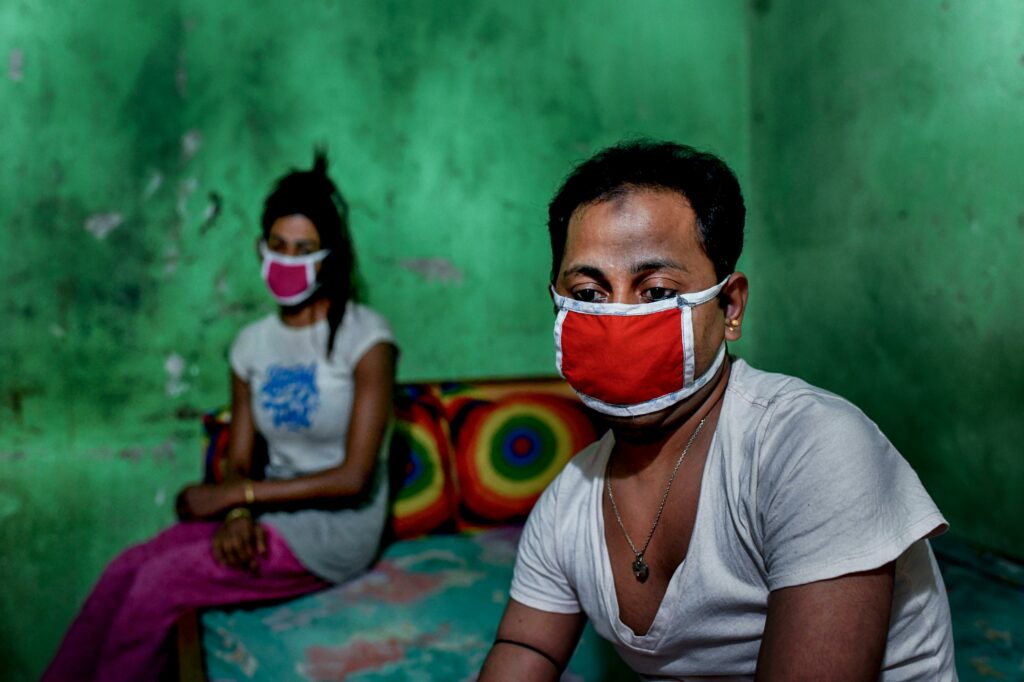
x: 428, y: 610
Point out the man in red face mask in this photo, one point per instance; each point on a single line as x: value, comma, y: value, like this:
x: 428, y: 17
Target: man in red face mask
x: 732, y: 523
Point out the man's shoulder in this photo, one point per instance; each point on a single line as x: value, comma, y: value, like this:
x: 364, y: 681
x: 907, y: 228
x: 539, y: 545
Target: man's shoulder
x: 764, y: 391
x: 770, y: 408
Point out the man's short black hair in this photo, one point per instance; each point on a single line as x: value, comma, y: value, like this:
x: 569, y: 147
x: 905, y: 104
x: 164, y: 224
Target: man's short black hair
x: 703, y: 179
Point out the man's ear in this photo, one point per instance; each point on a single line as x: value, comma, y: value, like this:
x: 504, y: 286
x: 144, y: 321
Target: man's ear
x: 734, y: 297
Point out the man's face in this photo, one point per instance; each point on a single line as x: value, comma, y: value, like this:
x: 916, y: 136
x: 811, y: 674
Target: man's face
x: 639, y: 248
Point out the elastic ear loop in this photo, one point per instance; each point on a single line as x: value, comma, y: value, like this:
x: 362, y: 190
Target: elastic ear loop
x: 549, y: 657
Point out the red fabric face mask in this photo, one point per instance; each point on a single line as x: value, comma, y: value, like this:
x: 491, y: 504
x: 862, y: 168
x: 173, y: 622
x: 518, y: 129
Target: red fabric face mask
x: 291, y: 279
x: 627, y: 360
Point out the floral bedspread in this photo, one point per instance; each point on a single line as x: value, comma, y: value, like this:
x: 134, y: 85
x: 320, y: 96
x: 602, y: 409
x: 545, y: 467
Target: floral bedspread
x: 428, y: 610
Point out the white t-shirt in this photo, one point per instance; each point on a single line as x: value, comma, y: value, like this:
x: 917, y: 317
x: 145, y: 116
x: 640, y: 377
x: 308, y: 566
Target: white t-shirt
x: 799, y: 486
x: 302, y: 405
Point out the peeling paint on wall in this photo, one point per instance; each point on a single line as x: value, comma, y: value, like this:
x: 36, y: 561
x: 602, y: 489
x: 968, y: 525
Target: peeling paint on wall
x: 191, y: 143
x: 171, y: 257
x: 102, y: 224
x: 186, y: 188
x: 156, y: 180
x: 174, y: 366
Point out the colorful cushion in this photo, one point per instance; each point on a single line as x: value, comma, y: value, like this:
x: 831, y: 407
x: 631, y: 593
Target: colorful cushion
x: 216, y: 426
x: 510, y: 441
x: 422, y: 494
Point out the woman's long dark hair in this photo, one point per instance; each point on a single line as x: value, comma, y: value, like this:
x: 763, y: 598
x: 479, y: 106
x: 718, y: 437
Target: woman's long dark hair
x: 312, y: 194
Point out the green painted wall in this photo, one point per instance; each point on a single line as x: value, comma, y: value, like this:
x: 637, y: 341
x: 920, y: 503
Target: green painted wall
x: 888, y: 235
x: 137, y: 141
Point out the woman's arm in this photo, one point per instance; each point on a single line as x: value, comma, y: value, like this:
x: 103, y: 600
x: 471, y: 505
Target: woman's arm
x: 371, y: 409
x: 242, y: 433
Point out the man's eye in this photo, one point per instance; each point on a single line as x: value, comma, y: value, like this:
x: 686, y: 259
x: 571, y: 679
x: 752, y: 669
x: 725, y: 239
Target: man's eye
x: 658, y: 293
x: 588, y: 295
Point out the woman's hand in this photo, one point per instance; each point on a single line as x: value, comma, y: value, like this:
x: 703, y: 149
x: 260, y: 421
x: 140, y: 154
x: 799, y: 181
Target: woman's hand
x: 239, y: 543
x: 206, y: 500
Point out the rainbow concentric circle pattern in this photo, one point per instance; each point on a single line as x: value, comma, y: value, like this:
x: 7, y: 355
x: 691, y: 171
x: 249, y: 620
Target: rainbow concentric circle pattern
x: 422, y: 501
x: 508, y: 451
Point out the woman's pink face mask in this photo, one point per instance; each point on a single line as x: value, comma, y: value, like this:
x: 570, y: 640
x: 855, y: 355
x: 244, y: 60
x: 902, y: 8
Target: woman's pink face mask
x: 291, y: 279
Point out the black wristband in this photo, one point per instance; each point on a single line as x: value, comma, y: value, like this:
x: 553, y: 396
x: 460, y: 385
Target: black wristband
x: 551, y: 659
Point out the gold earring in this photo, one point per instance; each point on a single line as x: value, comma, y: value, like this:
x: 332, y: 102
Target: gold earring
x: 733, y: 324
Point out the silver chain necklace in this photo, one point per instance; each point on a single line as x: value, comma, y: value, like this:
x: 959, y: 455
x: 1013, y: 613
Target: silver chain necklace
x: 640, y: 568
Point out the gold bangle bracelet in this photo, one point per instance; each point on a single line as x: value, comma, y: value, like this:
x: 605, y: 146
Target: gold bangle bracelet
x: 237, y: 513
x: 250, y: 494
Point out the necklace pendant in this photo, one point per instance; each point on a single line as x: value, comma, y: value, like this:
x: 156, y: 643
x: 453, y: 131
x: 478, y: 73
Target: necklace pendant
x: 640, y: 569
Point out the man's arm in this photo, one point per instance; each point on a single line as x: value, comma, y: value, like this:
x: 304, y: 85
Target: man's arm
x: 538, y: 644
x: 833, y: 630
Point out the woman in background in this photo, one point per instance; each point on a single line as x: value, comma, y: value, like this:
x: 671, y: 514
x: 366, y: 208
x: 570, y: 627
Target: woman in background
x: 315, y: 380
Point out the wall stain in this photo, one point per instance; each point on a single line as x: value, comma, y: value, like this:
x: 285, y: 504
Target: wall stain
x: 132, y: 453
x: 181, y: 74
x: 171, y: 257
x: 15, y: 65
x: 186, y: 413
x: 186, y: 188
x: 211, y: 212
x: 156, y: 180
x: 175, y: 367
x: 433, y: 269
x: 191, y: 143
x: 16, y: 396
x: 164, y: 451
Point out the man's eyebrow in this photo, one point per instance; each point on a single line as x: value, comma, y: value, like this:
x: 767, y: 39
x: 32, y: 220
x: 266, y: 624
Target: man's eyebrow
x: 591, y: 271
x: 649, y: 265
